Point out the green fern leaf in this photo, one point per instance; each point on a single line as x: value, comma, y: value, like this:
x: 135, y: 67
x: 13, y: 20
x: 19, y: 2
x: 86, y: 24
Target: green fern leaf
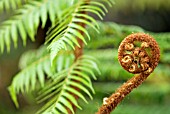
x: 26, y: 19
x: 13, y: 96
x: 65, y: 101
x: 9, y: 5
x: 67, y: 29
x: 43, y: 15
x: 78, y: 27
x: 72, y: 90
x: 82, y: 80
x: 75, y: 84
x: 15, y: 35
x: 35, y: 66
x: 65, y: 85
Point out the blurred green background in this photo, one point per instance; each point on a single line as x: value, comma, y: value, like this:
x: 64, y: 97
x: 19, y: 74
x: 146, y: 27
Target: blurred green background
x: 126, y: 17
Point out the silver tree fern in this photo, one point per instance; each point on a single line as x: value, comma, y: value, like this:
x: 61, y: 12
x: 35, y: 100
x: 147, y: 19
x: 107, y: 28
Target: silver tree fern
x: 68, y: 75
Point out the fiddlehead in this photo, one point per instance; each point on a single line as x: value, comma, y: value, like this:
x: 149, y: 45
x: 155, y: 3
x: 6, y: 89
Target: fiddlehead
x: 139, y: 54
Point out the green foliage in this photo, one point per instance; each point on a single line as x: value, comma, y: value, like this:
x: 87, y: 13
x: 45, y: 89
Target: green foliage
x: 111, y: 34
x: 52, y: 71
x: 10, y: 4
x: 109, y: 65
x: 63, y: 86
x: 35, y: 67
x: 26, y: 19
x: 68, y: 28
x: 115, y: 33
x: 62, y: 79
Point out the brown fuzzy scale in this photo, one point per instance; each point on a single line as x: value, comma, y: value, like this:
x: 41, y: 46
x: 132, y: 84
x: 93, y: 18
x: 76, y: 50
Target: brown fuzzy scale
x: 148, y: 64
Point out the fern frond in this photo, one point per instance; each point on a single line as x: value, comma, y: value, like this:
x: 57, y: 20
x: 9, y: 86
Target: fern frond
x: 8, y: 5
x: 65, y: 85
x: 26, y: 20
x: 68, y: 29
x: 36, y: 66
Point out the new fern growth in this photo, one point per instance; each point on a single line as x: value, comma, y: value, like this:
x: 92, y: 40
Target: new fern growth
x: 139, y: 54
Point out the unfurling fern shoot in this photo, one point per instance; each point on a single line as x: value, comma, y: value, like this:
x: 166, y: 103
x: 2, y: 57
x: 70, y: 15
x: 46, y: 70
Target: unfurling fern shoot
x: 139, y: 54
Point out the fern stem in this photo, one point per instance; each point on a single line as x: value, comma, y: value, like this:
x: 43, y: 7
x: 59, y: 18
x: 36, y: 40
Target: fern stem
x: 111, y: 102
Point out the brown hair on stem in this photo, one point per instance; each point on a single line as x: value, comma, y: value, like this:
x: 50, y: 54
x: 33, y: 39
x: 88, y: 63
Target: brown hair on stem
x: 139, y: 54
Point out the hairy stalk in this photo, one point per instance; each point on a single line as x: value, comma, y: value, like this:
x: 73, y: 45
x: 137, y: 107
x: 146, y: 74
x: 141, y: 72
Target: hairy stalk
x: 138, y: 54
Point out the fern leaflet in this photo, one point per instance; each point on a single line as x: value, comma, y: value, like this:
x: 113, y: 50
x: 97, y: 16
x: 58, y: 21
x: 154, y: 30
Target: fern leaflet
x: 62, y: 89
x: 67, y: 29
x: 34, y: 70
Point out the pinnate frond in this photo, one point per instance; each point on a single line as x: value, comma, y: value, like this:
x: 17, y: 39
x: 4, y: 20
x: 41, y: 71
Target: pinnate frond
x: 26, y: 20
x: 65, y: 85
x: 66, y: 31
x: 35, y: 67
